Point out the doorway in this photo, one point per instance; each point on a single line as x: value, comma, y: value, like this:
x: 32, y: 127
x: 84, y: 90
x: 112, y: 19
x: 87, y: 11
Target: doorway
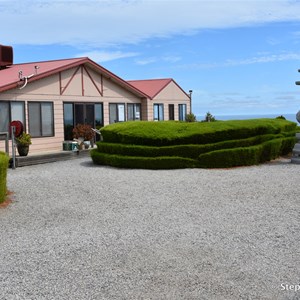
x: 81, y: 113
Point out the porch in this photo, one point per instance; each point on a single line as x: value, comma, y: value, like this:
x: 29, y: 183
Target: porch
x: 47, y: 157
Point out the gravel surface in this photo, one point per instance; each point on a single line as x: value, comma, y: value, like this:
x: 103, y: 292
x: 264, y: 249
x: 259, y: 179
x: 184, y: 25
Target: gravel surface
x: 79, y: 231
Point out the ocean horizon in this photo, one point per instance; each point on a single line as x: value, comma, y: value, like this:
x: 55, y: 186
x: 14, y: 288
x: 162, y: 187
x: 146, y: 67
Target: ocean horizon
x: 289, y: 117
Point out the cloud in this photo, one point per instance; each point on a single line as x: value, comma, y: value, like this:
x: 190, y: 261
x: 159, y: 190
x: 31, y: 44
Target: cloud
x: 171, y: 58
x: 241, y: 103
x: 259, y: 59
x: 151, y: 60
x: 102, y: 56
x: 97, y: 23
x: 263, y: 59
x: 146, y: 61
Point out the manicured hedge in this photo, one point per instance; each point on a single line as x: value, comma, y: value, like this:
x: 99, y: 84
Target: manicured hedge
x: 138, y: 162
x: 169, y: 145
x: 246, y: 156
x: 190, y: 151
x: 179, y: 133
x: 3, y: 174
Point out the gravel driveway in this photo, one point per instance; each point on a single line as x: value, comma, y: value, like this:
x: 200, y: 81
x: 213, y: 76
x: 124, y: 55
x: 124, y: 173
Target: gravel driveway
x: 79, y: 231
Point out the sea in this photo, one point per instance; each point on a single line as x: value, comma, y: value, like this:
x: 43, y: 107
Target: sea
x: 290, y: 117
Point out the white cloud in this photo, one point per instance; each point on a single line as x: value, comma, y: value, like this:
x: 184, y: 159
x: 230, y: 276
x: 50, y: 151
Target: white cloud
x: 259, y: 59
x: 263, y: 59
x: 171, y: 58
x: 146, y: 61
x: 97, y: 23
x: 151, y: 60
x: 102, y: 56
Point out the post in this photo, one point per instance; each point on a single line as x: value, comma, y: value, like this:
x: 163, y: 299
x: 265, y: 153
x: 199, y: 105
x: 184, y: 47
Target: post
x: 190, y: 91
x: 13, y: 129
x: 6, y: 141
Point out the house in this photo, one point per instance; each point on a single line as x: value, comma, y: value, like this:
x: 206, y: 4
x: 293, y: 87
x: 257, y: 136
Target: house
x: 51, y: 97
x: 166, y: 99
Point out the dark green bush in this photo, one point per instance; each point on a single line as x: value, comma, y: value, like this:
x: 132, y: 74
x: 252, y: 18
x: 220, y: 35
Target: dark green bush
x: 179, y: 133
x: 166, y: 145
x: 3, y: 174
x: 190, y: 118
x: 137, y: 162
x: 245, y: 156
x: 190, y: 151
x: 287, y: 145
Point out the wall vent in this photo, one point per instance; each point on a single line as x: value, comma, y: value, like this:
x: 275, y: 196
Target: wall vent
x: 6, y: 56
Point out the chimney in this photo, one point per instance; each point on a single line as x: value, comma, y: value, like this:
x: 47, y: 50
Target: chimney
x: 6, y: 56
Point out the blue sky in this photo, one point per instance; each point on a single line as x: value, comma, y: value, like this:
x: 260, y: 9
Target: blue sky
x: 238, y: 57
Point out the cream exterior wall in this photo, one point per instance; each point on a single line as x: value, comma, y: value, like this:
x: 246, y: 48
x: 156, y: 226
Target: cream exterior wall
x: 171, y: 94
x: 79, y: 88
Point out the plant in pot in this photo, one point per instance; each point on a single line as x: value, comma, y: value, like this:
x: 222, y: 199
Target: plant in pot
x: 83, y: 134
x: 23, y: 141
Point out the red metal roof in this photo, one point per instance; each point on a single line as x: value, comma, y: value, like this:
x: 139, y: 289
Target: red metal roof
x: 9, y: 77
x: 151, y: 87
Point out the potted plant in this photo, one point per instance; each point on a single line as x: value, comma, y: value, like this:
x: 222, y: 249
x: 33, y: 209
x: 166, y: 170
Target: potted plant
x: 23, y: 141
x: 84, y: 134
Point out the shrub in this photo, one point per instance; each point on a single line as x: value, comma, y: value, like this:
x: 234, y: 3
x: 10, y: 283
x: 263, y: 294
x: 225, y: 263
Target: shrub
x: 24, y: 139
x: 83, y: 131
x: 138, y: 162
x: 190, y: 151
x: 160, y: 145
x: 179, y: 133
x: 190, y: 118
x: 3, y: 174
x: 245, y: 156
x: 281, y: 117
x: 209, y: 117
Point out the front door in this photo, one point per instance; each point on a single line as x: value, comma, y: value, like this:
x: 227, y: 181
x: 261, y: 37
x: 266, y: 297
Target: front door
x: 85, y: 114
x: 81, y: 113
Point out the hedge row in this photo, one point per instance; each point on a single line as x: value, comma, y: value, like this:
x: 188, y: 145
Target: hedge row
x: 182, y: 133
x: 246, y: 156
x: 3, y: 174
x: 138, y: 162
x: 190, y: 151
x: 241, y: 156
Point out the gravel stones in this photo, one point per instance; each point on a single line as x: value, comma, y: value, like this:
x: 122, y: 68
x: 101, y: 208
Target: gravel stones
x: 79, y: 231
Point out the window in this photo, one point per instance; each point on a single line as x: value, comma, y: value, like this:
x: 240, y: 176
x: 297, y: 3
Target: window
x: 182, y: 111
x: 133, y: 111
x: 40, y: 118
x: 171, y: 112
x: 11, y: 111
x: 116, y: 112
x: 68, y: 121
x: 98, y: 115
x: 158, y: 114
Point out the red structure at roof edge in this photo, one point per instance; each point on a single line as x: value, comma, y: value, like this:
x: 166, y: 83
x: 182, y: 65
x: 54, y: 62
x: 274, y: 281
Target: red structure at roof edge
x: 6, y: 56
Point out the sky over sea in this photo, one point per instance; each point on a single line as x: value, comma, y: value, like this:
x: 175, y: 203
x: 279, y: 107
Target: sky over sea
x: 238, y: 57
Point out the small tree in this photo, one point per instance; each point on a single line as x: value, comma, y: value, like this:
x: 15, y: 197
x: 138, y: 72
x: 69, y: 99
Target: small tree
x: 190, y: 118
x: 209, y: 117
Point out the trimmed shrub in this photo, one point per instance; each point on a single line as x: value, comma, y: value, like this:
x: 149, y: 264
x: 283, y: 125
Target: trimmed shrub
x: 190, y: 151
x: 3, y: 174
x: 287, y: 145
x: 137, y: 162
x: 180, y: 133
x: 167, y: 145
x: 245, y: 156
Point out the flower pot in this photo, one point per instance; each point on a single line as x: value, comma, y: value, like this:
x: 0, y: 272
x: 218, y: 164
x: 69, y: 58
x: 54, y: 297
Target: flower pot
x: 87, y: 144
x: 23, y: 149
